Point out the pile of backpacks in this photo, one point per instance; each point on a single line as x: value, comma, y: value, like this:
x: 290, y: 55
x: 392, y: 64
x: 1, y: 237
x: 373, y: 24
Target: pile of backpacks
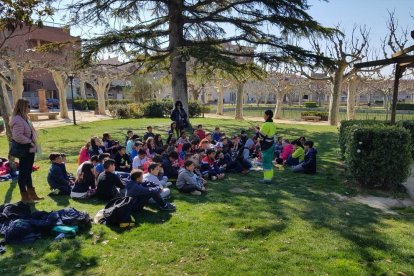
x: 18, y: 224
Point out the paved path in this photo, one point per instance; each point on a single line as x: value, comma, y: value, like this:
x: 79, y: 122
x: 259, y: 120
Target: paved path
x: 81, y: 117
x: 260, y: 119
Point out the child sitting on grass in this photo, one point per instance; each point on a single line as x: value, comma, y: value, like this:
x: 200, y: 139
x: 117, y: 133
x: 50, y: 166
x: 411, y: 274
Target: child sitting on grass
x: 109, y: 185
x: 140, y: 160
x: 57, y: 178
x: 297, y: 155
x: 85, y: 182
x: 209, y: 167
x: 152, y: 176
x: 122, y: 160
x: 309, y: 163
x: 188, y: 181
x: 142, y: 192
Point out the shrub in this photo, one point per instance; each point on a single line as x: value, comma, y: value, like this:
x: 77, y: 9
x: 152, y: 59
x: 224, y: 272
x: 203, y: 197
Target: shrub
x: 114, y: 102
x: 405, y: 106
x: 311, y: 104
x: 119, y: 111
x: 344, y: 131
x: 92, y: 104
x: 378, y: 155
x: 324, y: 115
x: 135, y: 110
x: 157, y: 109
x: 409, y: 125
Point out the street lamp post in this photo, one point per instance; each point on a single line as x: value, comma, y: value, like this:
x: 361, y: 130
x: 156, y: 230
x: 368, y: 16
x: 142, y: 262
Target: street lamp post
x: 71, y: 77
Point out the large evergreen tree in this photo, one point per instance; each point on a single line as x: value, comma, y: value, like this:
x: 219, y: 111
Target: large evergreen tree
x: 165, y: 34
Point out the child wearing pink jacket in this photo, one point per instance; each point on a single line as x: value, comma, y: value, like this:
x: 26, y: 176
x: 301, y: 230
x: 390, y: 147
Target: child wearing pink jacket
x: 287, y: 149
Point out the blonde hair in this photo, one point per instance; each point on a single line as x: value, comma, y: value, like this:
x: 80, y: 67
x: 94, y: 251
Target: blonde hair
x: 21, y: 108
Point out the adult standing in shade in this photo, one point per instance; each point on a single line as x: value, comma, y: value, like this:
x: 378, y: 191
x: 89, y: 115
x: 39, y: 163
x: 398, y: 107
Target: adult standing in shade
x: 24, y: 136
x: 267, y: 143
x: 179, y: 116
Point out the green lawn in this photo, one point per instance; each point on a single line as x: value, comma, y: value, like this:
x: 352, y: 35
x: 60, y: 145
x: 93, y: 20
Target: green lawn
x: 293, y: 227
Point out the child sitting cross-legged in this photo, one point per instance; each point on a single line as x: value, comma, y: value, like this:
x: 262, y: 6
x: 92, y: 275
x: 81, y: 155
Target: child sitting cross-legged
x: 152, y: 176
x: 109, y: 185
x: 85, y: 182
x: 143, y: 192
x: 309, y: 163
x: 209, y: 167
x: 57, y: 178
x: 297, y: 155
x: 140, y: 160
x: 188, y: 181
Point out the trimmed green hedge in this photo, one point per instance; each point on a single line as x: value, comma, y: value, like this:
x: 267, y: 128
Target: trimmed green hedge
x: 378, y: 156
x: 324, y: 115
x: 311, y: 104
x: 345, y: 127
x: 85, y: 104
x: 409, y: 125
x: 405, y: 106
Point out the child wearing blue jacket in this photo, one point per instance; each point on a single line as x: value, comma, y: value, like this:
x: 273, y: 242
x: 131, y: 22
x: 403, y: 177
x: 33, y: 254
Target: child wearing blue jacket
x: 309, y: 163
x: 57, y: 178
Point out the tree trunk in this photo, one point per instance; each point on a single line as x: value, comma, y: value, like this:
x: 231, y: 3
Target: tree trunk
x: 220, y: 105
x: 350, y: 106
x: 279, y: 104
x: 101, y: 86
x: 82, y: 87
x: 335, y: 96
x: 178, y: 61
x: 239, y: 101
x: 60, y: 80
x: 16, y: 83
x: 6, y: 113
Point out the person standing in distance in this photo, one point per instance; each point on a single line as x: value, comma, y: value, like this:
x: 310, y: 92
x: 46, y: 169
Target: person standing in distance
x: 179, y: 116
x: 24, y: 133
x: 267, y: 143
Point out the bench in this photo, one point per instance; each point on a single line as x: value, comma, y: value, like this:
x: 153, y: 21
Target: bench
x: 50, y: 115
x: 311, y: 118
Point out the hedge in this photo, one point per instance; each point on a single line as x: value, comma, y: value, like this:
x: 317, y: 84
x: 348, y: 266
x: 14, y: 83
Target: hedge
x: 344, y: 131
x: 409, y: 125
x: 405, y: 106
x: 378, y: 156
x: 311, y: 104
x: 324, y: 115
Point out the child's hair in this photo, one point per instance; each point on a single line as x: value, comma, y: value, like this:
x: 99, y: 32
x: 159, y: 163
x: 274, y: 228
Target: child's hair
x: 182, y: 132
x: 54, y: 156
x: 93, y: 142
x: 188, y: 163
x: 286, y: 141
x: 136, y: 174
x: 148, y: 127
x: 210, y: 151
x: 94, y: 158
x: 208, y: 133
x: 309, y: 143
x: 297, y: 143
x: 86, y: 174
x: 105, y: 136
x: 171, y: 125
x: 103, y: 156
x: 120, y: 148
x: 194, y: 142
x: 133, y: 137
x: 243, y: 131
x: 269, y: 113
x: 152, y: 166
x: 88, y: 144
x: 107, y: 163
x: 173, y: 155
x: 216, y: 128
x: 63, y: 155
x: 173, y: 141
x: 142, y: 152
x: 149, y: 140
x: 129, y: 131
x: 157, y: 158
x: 199, y: 126
x: 137, y: 144
x: 186, y: 146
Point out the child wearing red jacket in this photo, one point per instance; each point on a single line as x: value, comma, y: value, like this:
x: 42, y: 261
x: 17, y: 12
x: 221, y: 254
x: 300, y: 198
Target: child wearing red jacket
x: 209, y: 167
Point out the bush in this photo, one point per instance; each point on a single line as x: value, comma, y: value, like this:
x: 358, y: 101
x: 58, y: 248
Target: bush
x: 135, y: 110
x: 378, y: 155
x: 119, y: 111
x: 92, y: 104
x: 409, y: 125
x: 80, y: 104
x: 114, y: 102
x: 157, y: 109
x: 405, y: 106
x: 344, y: 131
x: 311, y: 104
x: 324, y: 115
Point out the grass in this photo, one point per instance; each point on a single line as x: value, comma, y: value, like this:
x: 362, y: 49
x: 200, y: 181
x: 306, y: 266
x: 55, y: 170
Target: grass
x: 292, y: 227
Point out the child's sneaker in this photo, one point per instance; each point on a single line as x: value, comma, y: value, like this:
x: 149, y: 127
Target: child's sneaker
x: 168, y: 184
x: 214, y: 178
x: 168, y: 207
x: 196, y: 193
x: 54, y: 192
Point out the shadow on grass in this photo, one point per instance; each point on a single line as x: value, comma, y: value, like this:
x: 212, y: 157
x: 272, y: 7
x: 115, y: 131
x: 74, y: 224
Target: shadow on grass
x: 9, y: 193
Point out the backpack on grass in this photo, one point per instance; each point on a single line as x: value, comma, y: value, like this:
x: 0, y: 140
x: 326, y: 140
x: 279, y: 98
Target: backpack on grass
x: 118, y: 212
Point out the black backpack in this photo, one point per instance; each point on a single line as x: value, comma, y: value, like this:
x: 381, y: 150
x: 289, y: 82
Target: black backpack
x: 118, y: 211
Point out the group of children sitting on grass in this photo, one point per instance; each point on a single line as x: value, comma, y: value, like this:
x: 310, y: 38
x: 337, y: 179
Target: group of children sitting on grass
x: 146, y: 168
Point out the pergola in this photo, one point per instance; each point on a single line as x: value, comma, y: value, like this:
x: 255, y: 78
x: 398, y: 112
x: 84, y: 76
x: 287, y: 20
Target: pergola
x: 402, y: 61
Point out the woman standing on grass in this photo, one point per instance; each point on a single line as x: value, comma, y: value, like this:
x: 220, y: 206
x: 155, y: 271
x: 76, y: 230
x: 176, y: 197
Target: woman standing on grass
x: 24, y: 136
x: 267, y: 143
x: 179, y: 116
